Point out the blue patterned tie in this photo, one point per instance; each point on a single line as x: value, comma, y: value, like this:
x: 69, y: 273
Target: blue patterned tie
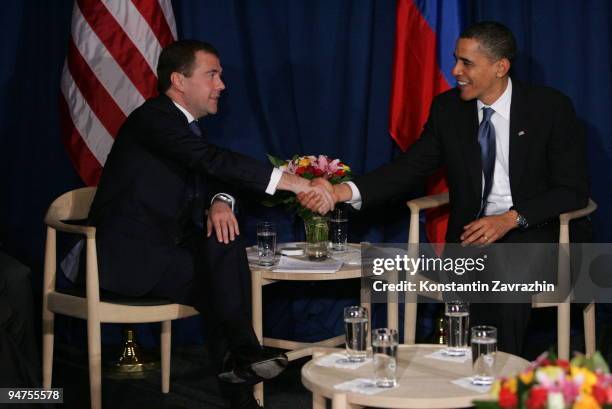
x: 486, y: 139
x: 195, y: 128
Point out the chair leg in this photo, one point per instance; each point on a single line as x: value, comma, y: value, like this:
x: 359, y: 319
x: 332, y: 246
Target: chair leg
x: 95, y: 363
x: 165, y: 343
x: 563, y: 330
x: 410, y: 318
x: 589, y: 328
x: 48, y: 324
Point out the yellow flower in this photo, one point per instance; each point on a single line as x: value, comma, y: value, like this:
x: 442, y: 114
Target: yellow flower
x: 526, y: 377
x: 511, y: 384
x: 585, y: 377
x: 495, y: 389
x: 586, y: 402
x: 304, y: 162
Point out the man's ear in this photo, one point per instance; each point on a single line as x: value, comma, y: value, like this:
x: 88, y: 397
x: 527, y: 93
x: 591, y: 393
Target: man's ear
x: 177, y: 81
x: 503, y: 66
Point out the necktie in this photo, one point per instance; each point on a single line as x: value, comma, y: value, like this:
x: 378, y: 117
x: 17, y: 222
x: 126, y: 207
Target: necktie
x: 196, y: 192
x: 195, y: 128
x: 486, y: 139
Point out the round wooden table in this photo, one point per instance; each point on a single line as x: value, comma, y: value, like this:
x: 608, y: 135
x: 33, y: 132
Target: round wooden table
x: 424, y: 383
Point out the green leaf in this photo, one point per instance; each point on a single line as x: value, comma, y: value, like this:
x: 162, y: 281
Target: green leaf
x: 599, y: 363
x: 486, y: 404
x: 277, y: 162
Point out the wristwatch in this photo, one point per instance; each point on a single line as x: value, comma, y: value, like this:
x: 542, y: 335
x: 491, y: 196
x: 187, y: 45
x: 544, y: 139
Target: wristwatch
x: 224, y: 197
x: 521, y: 221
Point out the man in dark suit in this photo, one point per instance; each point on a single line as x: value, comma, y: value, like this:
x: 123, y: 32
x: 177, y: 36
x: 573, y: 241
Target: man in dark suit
x: 514, y: 155
x: 149, y: 205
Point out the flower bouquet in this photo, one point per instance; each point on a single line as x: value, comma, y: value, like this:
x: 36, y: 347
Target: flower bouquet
x: 310, y: 167
x: 550, y: 383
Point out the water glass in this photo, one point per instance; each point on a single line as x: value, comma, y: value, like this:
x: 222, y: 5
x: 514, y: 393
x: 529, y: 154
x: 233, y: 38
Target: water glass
x: 266, y: 243
x: 457, y: 324
x: 338, y: 229
x: 384, y: 351
x: 356, y: 330
x: 484, y: 347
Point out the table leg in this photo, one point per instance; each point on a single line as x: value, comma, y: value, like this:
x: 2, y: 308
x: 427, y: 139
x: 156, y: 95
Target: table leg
x: 340, y: 401
x: 318, y: 401
x: 257, y: 321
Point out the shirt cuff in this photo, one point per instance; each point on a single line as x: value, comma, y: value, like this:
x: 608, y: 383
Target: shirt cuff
x: 229, y: 199
x: 356, y: 196
x: 274, y: 181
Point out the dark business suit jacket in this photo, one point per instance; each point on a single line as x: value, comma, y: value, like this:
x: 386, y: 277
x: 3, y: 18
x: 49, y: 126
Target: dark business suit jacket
x: 140, y: 210
x: 547, y: 158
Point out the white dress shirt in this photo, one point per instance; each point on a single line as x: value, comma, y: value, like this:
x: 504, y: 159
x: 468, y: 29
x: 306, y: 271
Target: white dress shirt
x: 500, y: 198
x: 275, y: 177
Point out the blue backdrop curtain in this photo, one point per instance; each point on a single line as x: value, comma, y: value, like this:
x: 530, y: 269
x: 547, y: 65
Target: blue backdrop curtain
x: 302, y: 77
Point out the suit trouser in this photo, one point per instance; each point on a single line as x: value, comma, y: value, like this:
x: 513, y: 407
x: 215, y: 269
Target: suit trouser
x: 512, y: 319
x: 18, y: 350
x: 214, y: 278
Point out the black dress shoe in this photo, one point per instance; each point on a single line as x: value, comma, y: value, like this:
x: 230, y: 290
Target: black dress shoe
x: 252, y: 369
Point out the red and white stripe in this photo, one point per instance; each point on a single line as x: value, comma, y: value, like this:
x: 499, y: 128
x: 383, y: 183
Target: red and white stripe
x: 109, y: 71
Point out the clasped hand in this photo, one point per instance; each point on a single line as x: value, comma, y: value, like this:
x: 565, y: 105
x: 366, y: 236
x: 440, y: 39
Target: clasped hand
x: 320, y: 197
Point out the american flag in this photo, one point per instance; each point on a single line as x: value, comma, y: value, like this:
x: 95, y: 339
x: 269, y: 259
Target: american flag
x: 109, y: 71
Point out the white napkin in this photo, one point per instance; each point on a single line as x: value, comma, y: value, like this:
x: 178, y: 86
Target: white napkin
x: 340, y: 360
x: 441, y: 355
x: 364, y: 386
x: 293, y: 265
x: 467, y: 384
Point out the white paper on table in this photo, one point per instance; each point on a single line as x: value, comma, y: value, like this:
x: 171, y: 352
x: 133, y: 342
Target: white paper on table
x: 364, y: 386
x: 293, y: 265
x: 441, y: 355
x: 467, y: 384
x: 340, y: 360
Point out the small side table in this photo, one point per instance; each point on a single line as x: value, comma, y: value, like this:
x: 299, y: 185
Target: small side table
x: 423, y: 383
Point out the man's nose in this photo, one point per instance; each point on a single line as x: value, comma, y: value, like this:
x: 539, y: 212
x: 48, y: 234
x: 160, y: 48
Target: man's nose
x: 220, y: 85
x: 457, y: 69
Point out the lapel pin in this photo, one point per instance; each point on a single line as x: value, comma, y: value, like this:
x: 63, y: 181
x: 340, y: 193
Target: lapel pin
x: 521, y: 133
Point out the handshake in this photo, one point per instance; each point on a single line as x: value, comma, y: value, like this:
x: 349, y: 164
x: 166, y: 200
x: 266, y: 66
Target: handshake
x: 321, y: 196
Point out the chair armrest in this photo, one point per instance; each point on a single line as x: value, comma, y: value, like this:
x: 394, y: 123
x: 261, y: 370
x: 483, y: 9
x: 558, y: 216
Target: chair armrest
x: 427, y: 202
x: 564, y: 218
x: 88, y: 231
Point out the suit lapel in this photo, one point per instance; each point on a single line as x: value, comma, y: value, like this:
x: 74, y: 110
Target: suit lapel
x: 519, y: 136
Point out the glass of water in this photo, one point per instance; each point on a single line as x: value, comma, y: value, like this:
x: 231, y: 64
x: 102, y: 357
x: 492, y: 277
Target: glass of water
x: 457, y: 324
x: 338, y: 229
x: 356, y: 331
x: 384, y: 353
x: 484, y: 347
x: 266, y: 243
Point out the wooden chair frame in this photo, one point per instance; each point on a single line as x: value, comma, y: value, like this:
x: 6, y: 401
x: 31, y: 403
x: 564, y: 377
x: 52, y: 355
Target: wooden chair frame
x: 538, y: 301
x: 74, y: 205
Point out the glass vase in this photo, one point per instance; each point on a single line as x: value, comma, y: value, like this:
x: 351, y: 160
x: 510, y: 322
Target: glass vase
x: 317, y: 237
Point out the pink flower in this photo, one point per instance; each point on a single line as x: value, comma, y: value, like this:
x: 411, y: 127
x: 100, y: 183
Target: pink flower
x: 570, y: 390
x: 333, y: 166
x: 322, y: 162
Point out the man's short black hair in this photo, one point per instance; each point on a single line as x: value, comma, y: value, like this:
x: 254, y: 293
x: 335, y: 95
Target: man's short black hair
x: 179, y: 57
x: 496, y: 39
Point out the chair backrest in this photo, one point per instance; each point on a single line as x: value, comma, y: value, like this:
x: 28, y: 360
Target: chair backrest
x: 72, y: 205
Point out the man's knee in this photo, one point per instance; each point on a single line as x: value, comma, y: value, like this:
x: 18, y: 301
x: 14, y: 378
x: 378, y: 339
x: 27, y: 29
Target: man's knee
x: 15, y: 278
x: 213, y: 246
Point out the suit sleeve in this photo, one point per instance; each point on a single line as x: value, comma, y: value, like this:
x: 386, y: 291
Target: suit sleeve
x: 567, y: 175
x: 406, y: 172
x: 170, y: 138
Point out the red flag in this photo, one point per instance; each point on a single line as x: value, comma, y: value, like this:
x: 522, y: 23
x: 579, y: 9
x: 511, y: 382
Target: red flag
x: 426, y: 31
x: 109, y: 71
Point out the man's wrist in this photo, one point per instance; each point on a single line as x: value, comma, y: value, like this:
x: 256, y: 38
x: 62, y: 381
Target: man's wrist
x: 343, y: 192
x: 518, y: 220
x: 224, y: 198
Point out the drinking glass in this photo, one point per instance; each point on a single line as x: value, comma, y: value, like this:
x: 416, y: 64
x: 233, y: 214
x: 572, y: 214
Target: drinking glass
x: 338, y: 229
x: 266, y: 243
x: 384, y: 352
x: 356, y: 330
x: 484, y: 347
x: 457, y: 324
